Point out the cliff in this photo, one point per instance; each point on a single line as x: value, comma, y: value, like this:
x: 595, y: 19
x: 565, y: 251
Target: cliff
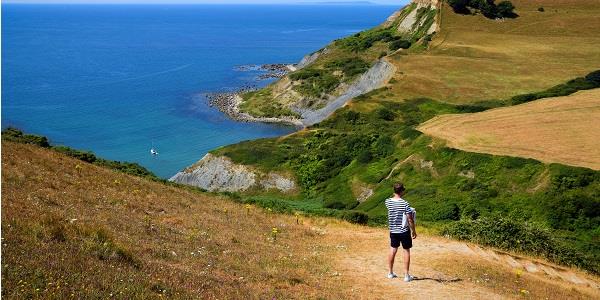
x: 327, y: 79
x: 218, y: 173
x: 374, y: 78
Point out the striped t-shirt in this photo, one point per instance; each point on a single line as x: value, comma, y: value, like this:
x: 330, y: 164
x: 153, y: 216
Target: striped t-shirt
x: 396, y: 209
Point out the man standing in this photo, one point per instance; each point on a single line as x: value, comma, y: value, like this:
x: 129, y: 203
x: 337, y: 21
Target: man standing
x: 399, y: 233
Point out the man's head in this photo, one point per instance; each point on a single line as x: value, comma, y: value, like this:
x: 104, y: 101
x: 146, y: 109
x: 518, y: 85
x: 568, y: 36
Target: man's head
x: 399, y: 189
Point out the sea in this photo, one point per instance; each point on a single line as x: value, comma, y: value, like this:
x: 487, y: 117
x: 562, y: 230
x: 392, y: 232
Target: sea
x: 119, y: 80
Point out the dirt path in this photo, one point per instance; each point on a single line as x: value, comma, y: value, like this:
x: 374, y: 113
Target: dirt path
x: 447, y: 269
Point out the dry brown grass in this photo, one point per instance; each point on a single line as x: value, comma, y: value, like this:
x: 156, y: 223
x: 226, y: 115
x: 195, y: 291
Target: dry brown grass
x: 474, y: 58
x: 75, y: 230
x: 562, y: 130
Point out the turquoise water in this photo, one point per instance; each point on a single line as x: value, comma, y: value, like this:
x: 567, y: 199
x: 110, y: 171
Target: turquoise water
x: 117, y: 79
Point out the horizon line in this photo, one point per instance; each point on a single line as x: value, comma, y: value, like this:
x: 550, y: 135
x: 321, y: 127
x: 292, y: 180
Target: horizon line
x: 202, y: 3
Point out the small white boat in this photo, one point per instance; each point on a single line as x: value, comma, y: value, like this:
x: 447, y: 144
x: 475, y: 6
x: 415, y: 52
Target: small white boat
x: 153, y: 152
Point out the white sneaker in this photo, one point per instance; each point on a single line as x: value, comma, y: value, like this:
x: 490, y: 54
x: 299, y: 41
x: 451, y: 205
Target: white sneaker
x: 392, y: 275
x: 408, y: 278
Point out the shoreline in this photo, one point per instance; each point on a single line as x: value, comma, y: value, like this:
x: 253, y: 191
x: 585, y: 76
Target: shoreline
x: 229, y: 102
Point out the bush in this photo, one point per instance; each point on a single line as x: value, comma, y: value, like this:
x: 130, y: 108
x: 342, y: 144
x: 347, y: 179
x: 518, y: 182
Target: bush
x: 386, y: 114
x: 505, y: 9
x: 459, y: 6
x: 399, y: 44
x: 357, y: 217
x: 507, y: 234
x: 349, y: 66
x: 364, y: 156
x: 383, y: 146
x: 365, y: 40
x: 17, y: 136
x: 594, y: 78
x: 488, y: 8
x: 564, y: 178
x: 445, y: 211
x: 81, y: 155
x: 541, y: 9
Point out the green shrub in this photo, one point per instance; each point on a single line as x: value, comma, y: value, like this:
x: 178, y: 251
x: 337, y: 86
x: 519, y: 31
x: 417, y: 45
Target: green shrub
x: 17, y: 136
x: 565, y: 178
x: 508, y: 234
x: 314, y: 83
x: 81, y: 155
x: 365, y: 40
x: 399, y: 44
x: 386, y: 114
x: 357, y: 217
x: 505, y: 9
x: 445, y: 211
x: 364, y: 156
x: 593, y: 77
x: 351, y: 66
x: 383, y: 146
x: 351, y: 116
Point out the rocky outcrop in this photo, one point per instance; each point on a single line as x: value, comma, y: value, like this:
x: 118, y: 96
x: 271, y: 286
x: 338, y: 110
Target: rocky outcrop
x: 414, y: 21
x: 309, y: 59
x: 220, y: 174
x: 374, y: 78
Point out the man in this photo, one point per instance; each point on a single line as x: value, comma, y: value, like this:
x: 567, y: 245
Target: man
x: 399, y: 233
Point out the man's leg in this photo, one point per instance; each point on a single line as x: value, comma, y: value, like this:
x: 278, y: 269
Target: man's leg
x: 406, y: 261
x: 391, y: 257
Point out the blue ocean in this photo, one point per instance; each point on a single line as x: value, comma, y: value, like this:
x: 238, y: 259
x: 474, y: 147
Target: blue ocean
x: 120, y: 79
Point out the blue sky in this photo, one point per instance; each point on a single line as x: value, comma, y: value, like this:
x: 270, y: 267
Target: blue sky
x: 392, y: 2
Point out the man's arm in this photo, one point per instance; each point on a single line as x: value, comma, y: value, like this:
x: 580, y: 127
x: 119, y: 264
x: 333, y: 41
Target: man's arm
x: 411, y: 223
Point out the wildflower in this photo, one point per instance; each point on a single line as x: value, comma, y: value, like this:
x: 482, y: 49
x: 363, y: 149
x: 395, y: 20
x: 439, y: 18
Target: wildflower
x: 274, y: 232
x: 248, y: 206
x: 519, y: 273
x: 269, y: 209
x: 225, y: 210
x: 297, y: 214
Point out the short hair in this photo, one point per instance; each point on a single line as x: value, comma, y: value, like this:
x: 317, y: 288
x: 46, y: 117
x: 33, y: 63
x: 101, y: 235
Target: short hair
x: 398, y: 187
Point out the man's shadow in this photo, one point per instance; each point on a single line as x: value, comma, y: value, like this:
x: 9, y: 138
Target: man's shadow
x: 440, y: 280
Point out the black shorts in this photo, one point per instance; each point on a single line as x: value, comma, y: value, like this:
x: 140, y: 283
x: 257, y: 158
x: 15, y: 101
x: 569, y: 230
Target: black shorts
x: 404, y: 238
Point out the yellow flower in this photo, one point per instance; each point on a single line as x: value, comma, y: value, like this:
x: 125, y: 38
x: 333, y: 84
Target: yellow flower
x: 519, y: 273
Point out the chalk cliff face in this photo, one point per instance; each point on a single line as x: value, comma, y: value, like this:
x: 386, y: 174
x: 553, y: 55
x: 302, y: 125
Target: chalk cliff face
x: 217, y: 173
x: 374, y: 78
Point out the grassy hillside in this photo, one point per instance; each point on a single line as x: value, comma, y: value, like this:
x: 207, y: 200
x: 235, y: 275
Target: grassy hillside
x: 543, y: 130
x: 474, y: 58
x: 75, y: 230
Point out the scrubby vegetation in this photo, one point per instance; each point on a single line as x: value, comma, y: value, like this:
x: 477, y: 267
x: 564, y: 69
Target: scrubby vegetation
x: 15, y: 135
x: 262, y: 105
x: 488, y: 8
x: 318, y: 82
